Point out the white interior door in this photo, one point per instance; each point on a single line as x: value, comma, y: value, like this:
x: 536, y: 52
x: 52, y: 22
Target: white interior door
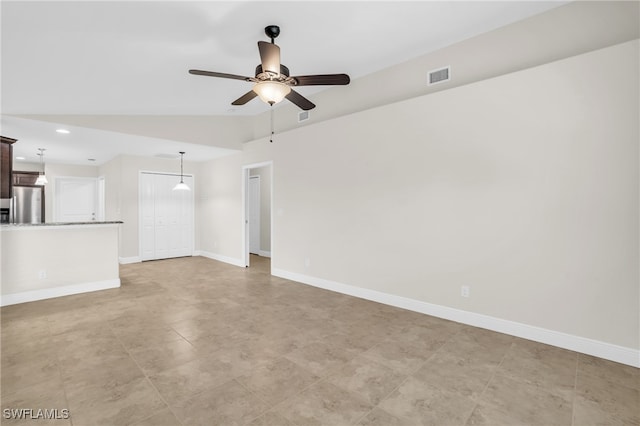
x: 254, y: 214
x: 76, y: 200
x: 166, y: 217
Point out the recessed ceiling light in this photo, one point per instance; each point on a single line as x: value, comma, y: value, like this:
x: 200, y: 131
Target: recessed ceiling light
x: 63, y: 131
x: 20, y: 158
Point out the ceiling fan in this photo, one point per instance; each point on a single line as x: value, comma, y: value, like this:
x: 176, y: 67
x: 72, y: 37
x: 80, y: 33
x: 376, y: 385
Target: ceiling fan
x: 272, y: 80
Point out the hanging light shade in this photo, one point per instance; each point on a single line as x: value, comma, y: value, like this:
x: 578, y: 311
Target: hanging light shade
x: 271, y: 92
x: 181, y: 186
x: 42, y: 179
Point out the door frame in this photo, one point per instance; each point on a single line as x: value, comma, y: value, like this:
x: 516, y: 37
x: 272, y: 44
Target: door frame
x: 245, y: 208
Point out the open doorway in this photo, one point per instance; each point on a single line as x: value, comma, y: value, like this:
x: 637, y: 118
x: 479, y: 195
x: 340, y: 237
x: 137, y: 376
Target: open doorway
x: 257, y: 199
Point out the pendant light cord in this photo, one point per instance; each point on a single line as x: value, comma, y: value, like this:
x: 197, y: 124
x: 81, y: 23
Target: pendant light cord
x: 41, y: 159
x: 181, y: 168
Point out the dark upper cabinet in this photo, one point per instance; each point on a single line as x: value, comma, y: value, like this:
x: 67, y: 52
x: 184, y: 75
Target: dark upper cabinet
x: 6, y: 166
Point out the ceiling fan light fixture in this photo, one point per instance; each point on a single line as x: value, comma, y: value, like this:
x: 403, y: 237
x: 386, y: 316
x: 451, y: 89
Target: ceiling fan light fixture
x: 271, y: 92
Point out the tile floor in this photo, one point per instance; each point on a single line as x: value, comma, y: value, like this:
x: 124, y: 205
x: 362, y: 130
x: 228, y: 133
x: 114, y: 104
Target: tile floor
x: 193, y: 341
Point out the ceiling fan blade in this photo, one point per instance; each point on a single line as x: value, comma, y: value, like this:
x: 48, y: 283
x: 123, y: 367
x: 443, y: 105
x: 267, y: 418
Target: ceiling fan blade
x: 322, y: 80
x: 270, y: 57
x: 245, y: 98
x: 219, y: 74
x: 300, y: 100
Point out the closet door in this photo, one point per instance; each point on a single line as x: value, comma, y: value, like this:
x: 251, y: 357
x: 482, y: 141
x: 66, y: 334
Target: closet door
x: 166, y: 217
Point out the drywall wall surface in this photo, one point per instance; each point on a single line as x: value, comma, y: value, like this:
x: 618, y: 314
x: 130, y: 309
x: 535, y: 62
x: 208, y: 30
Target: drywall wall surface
x: 219, y: 222
x: 49, y: 257
x: 523, y: 187
x: 112, y: 173
x: 568, y: 30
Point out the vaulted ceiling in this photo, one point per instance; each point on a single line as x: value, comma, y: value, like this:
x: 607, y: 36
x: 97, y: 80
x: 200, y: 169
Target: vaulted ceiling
x: 130, y: 60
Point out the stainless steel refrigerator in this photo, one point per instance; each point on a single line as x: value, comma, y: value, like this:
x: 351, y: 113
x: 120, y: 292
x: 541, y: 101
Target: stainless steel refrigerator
x: 28, y: 204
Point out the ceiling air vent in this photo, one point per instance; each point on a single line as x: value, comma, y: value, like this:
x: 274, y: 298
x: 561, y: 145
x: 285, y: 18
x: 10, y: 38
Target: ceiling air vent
x: 303, y: 116
x: 439, y: 76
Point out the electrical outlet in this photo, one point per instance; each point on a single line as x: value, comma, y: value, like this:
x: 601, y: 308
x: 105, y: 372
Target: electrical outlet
x: 465, y: 291
x: 307, y: 262
x: 42, y: 274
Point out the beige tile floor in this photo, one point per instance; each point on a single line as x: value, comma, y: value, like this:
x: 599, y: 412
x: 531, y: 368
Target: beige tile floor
x: 193, y: 341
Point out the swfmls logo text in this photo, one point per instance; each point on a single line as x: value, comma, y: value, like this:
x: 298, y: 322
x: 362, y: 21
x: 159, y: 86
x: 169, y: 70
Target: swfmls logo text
x: 35, y: 414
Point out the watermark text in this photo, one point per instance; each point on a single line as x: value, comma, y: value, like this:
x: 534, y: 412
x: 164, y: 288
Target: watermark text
x: 35, y: 413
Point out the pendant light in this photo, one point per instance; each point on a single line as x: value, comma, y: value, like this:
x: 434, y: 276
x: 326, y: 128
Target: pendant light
x: 181, y: 186
x: 42, y: 179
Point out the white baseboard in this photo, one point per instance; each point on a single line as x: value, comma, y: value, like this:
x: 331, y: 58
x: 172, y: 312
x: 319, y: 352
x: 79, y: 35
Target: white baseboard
x: 621, y: 354
x: 220, y: 258
x: 126, y: 260
x: 50, y: 293
x: 264, y: 253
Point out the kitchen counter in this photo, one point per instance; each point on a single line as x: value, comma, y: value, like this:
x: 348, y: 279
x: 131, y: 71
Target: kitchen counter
x: 57, y: 259
x: 8, y: 226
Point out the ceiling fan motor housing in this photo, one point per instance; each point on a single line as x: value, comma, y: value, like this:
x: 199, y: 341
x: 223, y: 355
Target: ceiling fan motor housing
x: 284, y: 71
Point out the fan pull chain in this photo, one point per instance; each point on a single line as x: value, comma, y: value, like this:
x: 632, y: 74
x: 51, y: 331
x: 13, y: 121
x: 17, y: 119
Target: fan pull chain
x: 272, y: 132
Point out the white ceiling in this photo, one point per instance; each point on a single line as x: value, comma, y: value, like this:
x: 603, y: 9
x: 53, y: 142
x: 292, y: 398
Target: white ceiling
x: 84, y: 146
x: 129, y: 58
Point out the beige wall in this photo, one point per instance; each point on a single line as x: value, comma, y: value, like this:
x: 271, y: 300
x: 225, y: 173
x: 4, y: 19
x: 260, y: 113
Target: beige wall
x: 523, y: 187
x: 112, y: 173
x: 68, y: 256
x: 219, y: 219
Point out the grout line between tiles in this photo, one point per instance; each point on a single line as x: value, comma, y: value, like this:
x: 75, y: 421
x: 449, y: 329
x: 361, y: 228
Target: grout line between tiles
x: 147, y: 379
x: 62, y: 381
x: 486, y: 386
x: 575, y: 391
x: 258, y: 397
x: 409, y: 375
